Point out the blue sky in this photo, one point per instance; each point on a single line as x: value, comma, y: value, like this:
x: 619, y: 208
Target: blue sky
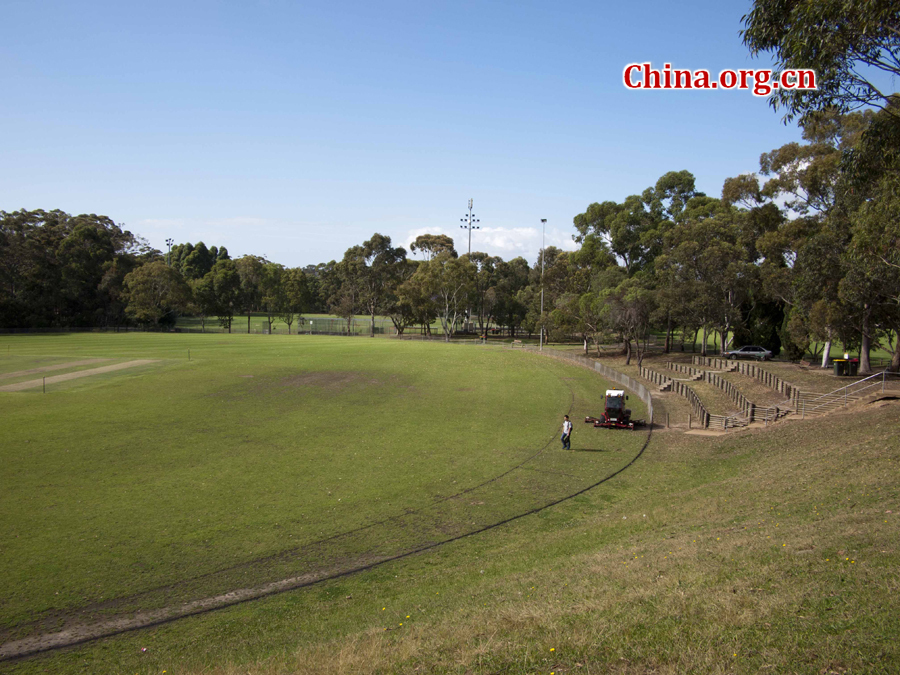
x: 295, y: 130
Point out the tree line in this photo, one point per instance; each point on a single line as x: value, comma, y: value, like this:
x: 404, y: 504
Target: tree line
x: 800, y: 254
x: 795, y: 257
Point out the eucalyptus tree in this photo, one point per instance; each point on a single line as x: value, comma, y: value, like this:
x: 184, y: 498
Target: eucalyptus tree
x: 578, y: 309
x: 198, y: 262
x: 548, y: 281
x: 250, y: 269
x: 227, y: 285
x: 635, y: 228
x: 401, y: 309
x: 203, y: 299
x: 432, y: 244
x: 483, y: 297
x: 272, y: 290
x: 627, y: 308
x: 793, y: 217
x: 295, y: 295
x: 850, y: 44
x: 449, y: 280
x: 63, y: 270
x: 373, y: 269
x: 704, y: 254
x: 869, y: 189
x: 512, y: 278
x: 416, y: 300
x: 156, y: 293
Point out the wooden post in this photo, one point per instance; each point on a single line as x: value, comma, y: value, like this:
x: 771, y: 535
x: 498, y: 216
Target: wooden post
x: 689, y: 420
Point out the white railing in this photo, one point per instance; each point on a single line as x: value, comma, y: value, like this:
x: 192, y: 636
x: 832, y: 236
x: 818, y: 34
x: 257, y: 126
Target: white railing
x: 836, y: 395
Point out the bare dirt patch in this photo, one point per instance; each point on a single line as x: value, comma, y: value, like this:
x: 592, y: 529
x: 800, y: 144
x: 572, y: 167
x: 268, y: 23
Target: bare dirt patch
x: 32, y: 384
x: 335, y: 381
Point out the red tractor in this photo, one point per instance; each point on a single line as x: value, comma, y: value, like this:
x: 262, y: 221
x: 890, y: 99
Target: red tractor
x: 616, y: 415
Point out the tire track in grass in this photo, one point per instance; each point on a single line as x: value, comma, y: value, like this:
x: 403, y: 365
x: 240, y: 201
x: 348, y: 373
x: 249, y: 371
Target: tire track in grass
x: 88, y: 632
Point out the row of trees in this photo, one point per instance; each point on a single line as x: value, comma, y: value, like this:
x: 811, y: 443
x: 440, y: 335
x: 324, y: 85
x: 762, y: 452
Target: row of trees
x: 804, y: 257
x: 802, y: 253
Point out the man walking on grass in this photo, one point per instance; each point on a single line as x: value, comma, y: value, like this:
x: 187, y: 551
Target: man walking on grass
x: 567, y: 434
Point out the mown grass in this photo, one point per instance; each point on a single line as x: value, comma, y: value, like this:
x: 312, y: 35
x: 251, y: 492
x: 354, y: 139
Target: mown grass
x: 191, y: 477
x: 762, y: 551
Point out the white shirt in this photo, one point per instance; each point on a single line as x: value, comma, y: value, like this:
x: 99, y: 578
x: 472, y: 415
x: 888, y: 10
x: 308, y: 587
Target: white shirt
x: 567, y: 427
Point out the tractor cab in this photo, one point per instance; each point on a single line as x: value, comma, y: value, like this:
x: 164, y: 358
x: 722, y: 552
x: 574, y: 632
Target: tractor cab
x: 615, y: 405
x: 615, y: 414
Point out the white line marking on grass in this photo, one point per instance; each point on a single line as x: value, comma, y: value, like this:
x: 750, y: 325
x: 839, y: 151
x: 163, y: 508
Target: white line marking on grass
x: 32, y: 384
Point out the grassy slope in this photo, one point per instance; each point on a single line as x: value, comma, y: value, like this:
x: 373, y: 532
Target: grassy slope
x: 763, y: 551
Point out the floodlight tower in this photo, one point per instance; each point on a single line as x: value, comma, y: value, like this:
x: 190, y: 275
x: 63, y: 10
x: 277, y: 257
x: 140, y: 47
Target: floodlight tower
x: 169, y: 243
x: 469, y: 225
x: 543, y: 227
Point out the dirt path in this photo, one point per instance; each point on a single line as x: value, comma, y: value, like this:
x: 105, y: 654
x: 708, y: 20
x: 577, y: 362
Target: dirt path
x: 44, y: 369
x: 31, y: 384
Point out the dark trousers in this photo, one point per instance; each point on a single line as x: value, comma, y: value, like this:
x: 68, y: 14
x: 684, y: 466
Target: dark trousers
x: 566, y: 441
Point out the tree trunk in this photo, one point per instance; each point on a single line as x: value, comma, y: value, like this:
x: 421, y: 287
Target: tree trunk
x: 703, y: 346
x: 627, y: 351
x: 372, y: 333
x: 865, y: 343
x: 248, y: 322
x: 895, y: 357
x: 668, y: 332
x: 826, y: 353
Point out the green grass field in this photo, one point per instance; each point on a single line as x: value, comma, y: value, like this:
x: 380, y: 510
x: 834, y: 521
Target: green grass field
x: 265, y: 457
x: 770, y: 550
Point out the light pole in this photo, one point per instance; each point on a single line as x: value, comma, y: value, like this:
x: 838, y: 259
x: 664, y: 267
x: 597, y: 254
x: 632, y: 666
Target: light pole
x: 468, y: 220
x: 469, y: 225
x: 543, y: 227
x: 169, y: 243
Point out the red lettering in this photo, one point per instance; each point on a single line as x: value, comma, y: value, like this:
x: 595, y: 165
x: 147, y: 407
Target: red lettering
x: 788, y: 79
x: 728, y: 79
x: 806, y: 79
x: 631, y: 67
x: 651, y: 78
x: 761, y: 86
x: 701, y: 79
x: 686, y: 74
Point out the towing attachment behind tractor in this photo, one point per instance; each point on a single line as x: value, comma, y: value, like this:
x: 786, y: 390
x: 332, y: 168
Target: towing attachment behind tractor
x: 615, y: 415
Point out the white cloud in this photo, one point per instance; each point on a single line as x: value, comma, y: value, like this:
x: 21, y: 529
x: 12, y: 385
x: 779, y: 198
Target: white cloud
x: 505, y: 242
x: 514, y: 240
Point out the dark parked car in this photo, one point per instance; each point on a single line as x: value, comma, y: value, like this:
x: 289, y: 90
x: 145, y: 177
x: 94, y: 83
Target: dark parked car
x: 749, y: 352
